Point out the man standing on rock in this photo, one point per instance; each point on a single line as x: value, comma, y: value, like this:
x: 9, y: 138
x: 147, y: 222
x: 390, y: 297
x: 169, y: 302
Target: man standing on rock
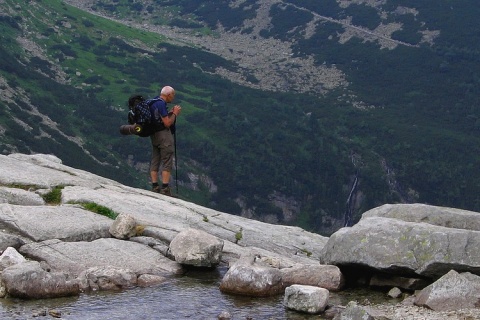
x: 163, y: 140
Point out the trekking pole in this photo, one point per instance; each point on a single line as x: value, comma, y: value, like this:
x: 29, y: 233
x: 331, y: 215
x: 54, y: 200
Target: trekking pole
x: 176, y: 161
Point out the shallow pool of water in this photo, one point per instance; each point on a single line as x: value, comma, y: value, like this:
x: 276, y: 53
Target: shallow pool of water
x: 193, y: 296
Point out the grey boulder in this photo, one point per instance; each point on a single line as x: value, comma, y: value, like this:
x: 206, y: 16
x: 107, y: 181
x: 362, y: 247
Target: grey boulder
x: 29, y: 280
x: 246, y: 277
x: 451, y: 292
x: 124, y: 226
x: 308, y: 299
x: 324, y: 276
x: 399, y: 247
x: 10, y: 257
x: 107, y: 278
x: 196, y: 248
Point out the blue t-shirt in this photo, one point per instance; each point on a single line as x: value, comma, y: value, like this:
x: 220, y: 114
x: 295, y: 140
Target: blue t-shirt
x: 159, y: 110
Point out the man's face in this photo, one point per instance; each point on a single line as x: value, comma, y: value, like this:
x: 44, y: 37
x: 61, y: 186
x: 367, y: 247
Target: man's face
x: 170, y: 97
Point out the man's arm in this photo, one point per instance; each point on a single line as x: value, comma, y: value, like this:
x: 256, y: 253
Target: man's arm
x: 169, y: 120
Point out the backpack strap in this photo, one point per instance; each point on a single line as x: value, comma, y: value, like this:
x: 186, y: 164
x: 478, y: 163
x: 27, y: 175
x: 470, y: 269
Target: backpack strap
x: 158, y: 125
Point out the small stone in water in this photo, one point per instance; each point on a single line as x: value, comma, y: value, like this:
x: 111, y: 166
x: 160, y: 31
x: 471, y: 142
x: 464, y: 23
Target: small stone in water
x: 41, y: 313
x: 224, y: 316
x: 55, y: 313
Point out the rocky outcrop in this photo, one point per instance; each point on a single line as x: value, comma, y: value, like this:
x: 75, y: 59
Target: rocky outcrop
x: 64, y: 249
x: 138, y: 248
x: 410, y: 246
x: 422, y: 213
x: 20, y: 197
x: 64, y: 222
x: 404, y: 248
x: 77, y: 257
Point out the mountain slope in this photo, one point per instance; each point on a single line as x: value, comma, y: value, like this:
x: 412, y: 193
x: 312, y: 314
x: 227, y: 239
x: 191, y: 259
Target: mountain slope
x: 300, y: 112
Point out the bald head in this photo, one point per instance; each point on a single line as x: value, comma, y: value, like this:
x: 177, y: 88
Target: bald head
x: 166, y: 91
x: 167, y: 94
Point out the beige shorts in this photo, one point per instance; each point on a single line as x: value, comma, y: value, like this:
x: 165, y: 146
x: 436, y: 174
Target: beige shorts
x: 162, y: 151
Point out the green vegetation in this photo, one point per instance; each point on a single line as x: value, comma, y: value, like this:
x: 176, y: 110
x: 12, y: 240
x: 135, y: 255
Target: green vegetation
x: 139, y: 229
x: 54, y: 196
x: 286, y: 18
x: 306, y: 252
x: 239, y: 235
x: 419, y: 142
x: 96, y: 208
x: 26, y: 187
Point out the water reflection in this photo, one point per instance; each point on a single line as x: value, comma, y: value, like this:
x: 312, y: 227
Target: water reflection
x: 193, y: 296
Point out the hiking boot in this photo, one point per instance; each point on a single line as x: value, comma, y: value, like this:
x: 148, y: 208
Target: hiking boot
x: 166, y: 191
x: 156, y: 189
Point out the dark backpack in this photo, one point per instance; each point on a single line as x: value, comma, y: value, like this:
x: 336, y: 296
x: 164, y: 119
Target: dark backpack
x: 140, y: 115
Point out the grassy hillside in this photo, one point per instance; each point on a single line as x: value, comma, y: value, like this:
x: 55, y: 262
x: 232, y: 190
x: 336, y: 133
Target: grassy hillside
x: 283, y: 157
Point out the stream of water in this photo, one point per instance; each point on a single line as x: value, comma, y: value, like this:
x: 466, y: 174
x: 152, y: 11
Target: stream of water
x: 192, y: 296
